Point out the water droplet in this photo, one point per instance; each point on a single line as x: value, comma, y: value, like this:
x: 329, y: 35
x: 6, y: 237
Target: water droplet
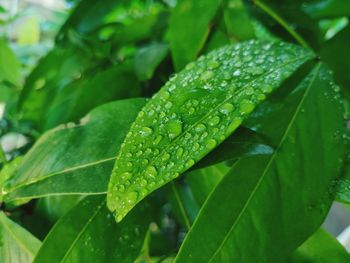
x: 233, y: 125
x: 151, y: 171
x: 131, y: 197
x: 189, y: 163
x: 200, y: 127
x: 179, y: 152
x: 168, y: 105
x: 210, y: 144
x: 214, y: 121
x: 125, y: 176
x: 206, y: 75
x: 226, y: 108
x: 164, y: 95
x: 157, y: 139
x: 174, y: 129
x: 190, y: 65
x: 165, y: 157
x: 246, y: 107
x: 213, y: 64
x: 237, y: 72
x: 145, y: 131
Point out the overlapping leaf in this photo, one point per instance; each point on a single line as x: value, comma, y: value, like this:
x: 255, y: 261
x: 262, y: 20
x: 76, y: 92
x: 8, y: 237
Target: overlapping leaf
x: 194, y: 112
x: 273, y: 203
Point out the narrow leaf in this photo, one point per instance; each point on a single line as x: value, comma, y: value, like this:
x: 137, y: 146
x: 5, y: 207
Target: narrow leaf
x: 17, y: 244
x: 193, y: 113
x: 271, y: 207
x: 88, y: 233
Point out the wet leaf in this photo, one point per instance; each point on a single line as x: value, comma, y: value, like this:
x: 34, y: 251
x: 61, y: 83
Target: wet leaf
x: 259, y: 193
x: 175, y: 129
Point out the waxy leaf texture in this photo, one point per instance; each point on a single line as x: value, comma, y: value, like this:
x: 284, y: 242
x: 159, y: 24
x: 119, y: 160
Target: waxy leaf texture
x: 194, y: 112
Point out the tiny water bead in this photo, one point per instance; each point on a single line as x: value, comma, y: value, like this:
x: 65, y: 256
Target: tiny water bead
x: 146, y: 131
x: 151, y: 172
x: 174, y: 129
x: 226, y: 108
x: 193, y: 113
x: 214, y: 121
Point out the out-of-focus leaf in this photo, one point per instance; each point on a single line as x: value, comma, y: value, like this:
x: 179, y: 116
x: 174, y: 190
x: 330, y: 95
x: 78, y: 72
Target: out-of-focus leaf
x: 16, y: 243
x: 175, y: 129
x: 327, y: 8
x: 330, y: 51
x: 9, y: 65
x: 204, y: 180
x: 77, y: 99
x: 56, y: 70
x: 237, y: 21
x: 261, y: 206
x: 183, y: 205
x: 148, y: 58
x: 29, y: 31
x: 321, y: 247
x: 88, y: 233
x: 74, y: 160
x: 189, y: 28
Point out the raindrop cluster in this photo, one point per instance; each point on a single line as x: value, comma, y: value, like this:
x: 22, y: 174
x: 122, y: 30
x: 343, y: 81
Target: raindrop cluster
x: 194, y: 112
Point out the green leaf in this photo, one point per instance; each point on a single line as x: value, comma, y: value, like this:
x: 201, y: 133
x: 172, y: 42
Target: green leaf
x: 74, y: 160
x: 204, y: 180
x: 175, y: 129
x: 237, y: 20
x: 321, y: 247
x: 9, y: 65
x: 189, y: 27
x: 273, y: 203
x: 78, y: 98
x: 17, y: 244
x: 88, y: 233
x: 56, y: 70
x: 327, y: 8
x: 330, y: 51
x: 244, y: 142
x: 148, y: 58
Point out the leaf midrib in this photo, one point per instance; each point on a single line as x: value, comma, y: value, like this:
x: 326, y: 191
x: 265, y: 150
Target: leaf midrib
x: 297, y: 111
x: 165, y: 149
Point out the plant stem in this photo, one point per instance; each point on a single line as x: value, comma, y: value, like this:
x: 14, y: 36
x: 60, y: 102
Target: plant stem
x: 181, y: 206
x: 283, y: 23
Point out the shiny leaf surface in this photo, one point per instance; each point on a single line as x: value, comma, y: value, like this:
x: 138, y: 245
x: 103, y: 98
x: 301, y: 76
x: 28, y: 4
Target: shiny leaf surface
x: 175, y: 129
x: 261, y: 206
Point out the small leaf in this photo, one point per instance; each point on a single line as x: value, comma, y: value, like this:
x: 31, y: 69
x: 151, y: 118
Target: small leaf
x: 88, y: 233
x: 193, y: 113
x: 283, y: 197
x: 17, y: 244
